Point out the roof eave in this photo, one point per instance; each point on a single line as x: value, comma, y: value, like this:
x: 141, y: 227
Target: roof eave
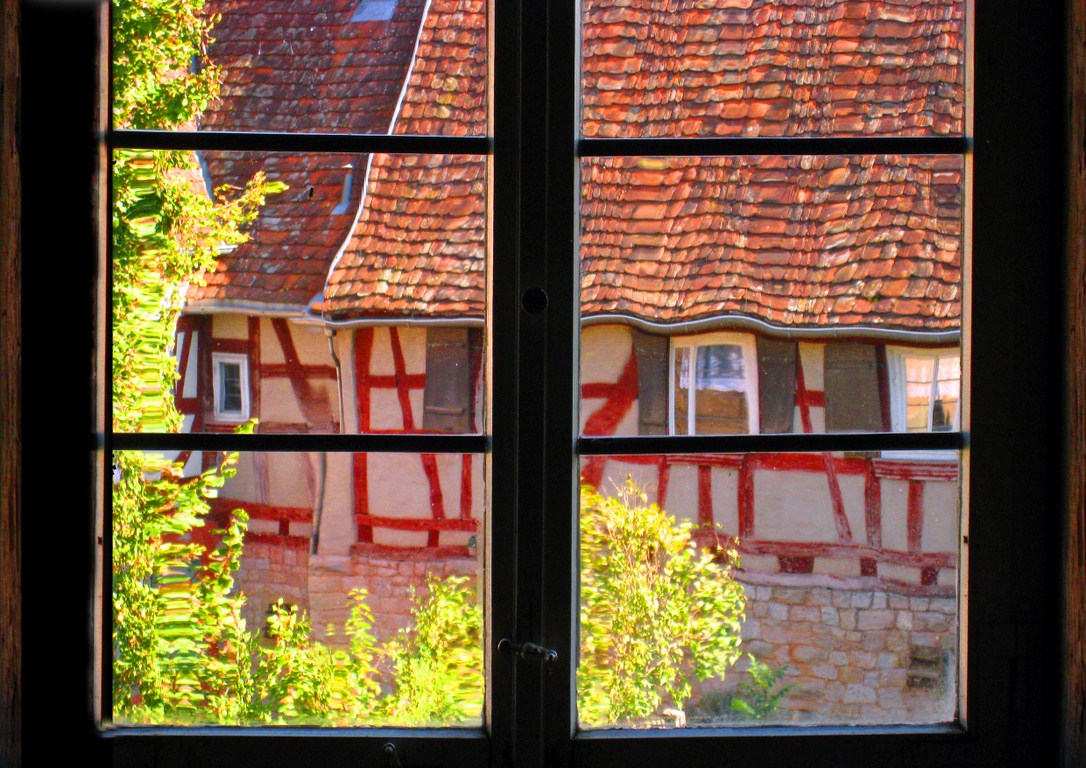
x: 813, y: 333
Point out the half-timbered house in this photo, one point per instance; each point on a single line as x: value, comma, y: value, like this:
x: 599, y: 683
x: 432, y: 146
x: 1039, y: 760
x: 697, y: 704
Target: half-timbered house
x: 718, y: 295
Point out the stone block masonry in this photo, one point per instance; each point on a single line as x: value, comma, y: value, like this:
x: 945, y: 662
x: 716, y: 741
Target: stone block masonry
x: 852, y: 656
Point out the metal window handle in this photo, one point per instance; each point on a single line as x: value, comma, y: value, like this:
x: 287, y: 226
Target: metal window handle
x: 527, y: 650
x: 392, y: 757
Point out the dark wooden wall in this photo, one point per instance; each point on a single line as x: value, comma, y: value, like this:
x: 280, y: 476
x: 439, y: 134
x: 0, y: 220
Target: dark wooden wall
x: 1074, y: 730
x: 10, y: 309
x: 1074, y: 631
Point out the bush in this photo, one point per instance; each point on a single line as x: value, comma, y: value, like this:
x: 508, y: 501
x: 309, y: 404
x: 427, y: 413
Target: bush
x: 761, y: 697
x: 657, y: 611
x: 438, y: 662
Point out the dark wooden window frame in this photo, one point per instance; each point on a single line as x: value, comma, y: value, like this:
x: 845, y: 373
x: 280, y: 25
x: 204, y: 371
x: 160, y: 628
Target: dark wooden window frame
x: 1027, y: 626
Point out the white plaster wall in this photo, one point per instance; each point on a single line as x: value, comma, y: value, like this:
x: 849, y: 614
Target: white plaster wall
x: 726, y: 500
x: 942, y: 515
x: 682, y: 492
x: 793, y: 506
x: 230, y: 327
x: 895, y: 514
x: 605, y: 351
x: 337, y: 526
x: 812, y: 357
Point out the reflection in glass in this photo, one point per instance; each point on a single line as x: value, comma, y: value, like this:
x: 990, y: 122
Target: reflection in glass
x: 318, y: 589
x: 769, y: 294
x: 768, y: 68
x: 822, y: 587
x: 339, y: 293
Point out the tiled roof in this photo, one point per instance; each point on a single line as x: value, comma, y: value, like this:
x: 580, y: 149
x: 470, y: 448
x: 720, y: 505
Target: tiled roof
x: 793, y: 242
x: 293, y: 241
x: 418, y: 249
x: 873, y: 241
x: 772, y: 68
x: 303, y: 65
x: 292, y: 65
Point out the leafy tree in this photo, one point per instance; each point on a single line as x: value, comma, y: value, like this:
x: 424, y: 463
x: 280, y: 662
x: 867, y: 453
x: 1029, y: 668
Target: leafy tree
x: 657, y: 611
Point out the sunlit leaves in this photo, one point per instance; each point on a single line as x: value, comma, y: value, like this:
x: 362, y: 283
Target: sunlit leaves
x: 162, y: 77
x: 438, y: 662
x: 657, y: 611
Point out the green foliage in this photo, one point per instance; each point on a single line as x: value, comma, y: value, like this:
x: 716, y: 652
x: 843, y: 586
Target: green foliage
x: 356, y: 689
x: 167, y: 232
x: 438, y: 662
x: 172, y: 607
x: 162, y: 77
x: 292, y: 675
x: 761, y: 697
x: 657, y: 611
x: 179, y: 643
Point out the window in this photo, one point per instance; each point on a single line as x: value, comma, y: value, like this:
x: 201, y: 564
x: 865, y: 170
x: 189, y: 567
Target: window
x: 231, y: 387
x: 1006, y: 610
x: 714, y: 389
x: 925, y: 387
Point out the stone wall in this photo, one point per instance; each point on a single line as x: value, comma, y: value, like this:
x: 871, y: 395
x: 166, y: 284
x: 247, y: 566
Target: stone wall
x: 389, y: 582
x: 853, y: 656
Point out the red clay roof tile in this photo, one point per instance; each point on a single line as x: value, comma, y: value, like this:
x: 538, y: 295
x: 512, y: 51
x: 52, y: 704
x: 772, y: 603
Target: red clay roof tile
x: 798, y: 242
x: 299, y: 66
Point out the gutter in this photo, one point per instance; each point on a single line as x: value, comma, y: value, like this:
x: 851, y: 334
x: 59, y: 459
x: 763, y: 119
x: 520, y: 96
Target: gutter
x: 740, y: 322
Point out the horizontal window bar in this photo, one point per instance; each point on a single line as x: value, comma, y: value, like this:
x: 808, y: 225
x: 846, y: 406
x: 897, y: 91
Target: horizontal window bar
x: 844, y: 145
x: 298, y: 142
x: 785, y: 443
x: 749, y: 745
x: 398, y: 443
x: 596, y: 739
x: 303, y: 746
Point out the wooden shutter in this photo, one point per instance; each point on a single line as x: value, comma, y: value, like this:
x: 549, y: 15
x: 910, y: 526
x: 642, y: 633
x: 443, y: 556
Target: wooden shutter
x: 776, y: 384
x: 651, y: 351
x: 851, y: 377
x: 447, y: 397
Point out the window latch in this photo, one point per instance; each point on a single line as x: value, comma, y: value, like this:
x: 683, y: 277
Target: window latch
x: 392, y: 757
x: 527, y: 650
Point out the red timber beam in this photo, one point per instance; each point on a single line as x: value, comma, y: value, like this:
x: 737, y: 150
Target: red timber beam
x: 222, y: 508
x: 313, y: 402
x: 363, y: 354
x: 794, y: 557
x: 837, y: 502
x: 403, y: 383
x: 618, y: 399
x: 429, y: 461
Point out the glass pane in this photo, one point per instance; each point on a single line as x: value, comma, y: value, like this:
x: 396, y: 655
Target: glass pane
x: 829, y: 68
x: 768, y: 589
x: 347, y: 66
x: 721, y: 404
x: 351, y: 289
x: 827, y: 272
x: 948, y: 389
x: 326, y: 589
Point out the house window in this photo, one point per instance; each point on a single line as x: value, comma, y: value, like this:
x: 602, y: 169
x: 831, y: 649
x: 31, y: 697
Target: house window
x: 925, y: 389
x: 374, y: 10
x: 230, y: 385
x: 714, y: 385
